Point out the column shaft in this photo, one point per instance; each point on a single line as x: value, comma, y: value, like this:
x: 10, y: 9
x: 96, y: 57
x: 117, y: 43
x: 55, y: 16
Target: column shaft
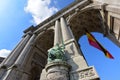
x: 13, y: 56
x: 65, y: 31
x: 58, y: 35
x: 21, y: 59
x: 11, y: 53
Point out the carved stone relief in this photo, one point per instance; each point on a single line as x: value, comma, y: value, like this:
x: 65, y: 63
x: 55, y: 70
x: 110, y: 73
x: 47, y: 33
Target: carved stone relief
x: 85, y: 74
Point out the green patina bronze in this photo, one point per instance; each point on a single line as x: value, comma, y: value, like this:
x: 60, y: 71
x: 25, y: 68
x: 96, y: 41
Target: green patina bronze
x: 56, y: 53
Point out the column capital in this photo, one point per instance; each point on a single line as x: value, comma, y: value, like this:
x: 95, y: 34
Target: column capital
x: 28, y: 33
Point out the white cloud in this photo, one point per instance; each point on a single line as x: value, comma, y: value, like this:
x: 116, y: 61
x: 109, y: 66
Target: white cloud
x: 4, y: 52
x: 40, y: 9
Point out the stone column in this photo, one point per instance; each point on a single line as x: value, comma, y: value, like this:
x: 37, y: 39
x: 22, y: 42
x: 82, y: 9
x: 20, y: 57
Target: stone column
x: 65, y: 31
x: 57, y: 36
x: 3, y: 67
x: 9, y: 61
x: 21, y: 59
x: 17, y: 71
x: 2, y: 71
x: 74, y: 56
x: 13, y: 56
x: 2, y: 64
x: 58, y: 68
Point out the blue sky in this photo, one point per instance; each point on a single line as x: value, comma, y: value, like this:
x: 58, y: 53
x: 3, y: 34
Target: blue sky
x: 17, y: 15
x: 108, y: 69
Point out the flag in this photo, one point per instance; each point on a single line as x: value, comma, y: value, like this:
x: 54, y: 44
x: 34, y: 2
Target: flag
x: 93, y: 42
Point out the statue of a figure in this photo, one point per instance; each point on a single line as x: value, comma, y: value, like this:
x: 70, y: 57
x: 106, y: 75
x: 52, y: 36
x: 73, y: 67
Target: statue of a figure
x: 56, y: 53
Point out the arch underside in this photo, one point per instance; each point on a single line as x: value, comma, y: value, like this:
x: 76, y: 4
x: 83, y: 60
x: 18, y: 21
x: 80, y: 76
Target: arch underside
x: 91, y: 20
x: 95, y: 21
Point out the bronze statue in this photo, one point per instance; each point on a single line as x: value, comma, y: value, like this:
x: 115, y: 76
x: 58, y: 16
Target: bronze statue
x: 56, y: 53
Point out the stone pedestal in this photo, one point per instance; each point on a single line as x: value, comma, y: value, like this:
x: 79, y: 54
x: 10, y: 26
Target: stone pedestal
x: 84, y: 74
x: 57, y: 71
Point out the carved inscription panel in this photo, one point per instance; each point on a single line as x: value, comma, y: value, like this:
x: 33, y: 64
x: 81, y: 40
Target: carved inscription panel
x: 85, y: 74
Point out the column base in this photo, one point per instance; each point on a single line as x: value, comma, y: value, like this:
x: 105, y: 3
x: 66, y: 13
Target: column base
x: 84, y: 74
x: 57, y: 71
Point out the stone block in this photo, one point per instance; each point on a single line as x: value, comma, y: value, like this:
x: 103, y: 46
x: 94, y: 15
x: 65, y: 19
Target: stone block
x: 84, y: 74
x: 77, y: 63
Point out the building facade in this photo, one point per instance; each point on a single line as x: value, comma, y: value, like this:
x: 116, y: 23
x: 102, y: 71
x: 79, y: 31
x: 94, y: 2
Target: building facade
x: 29, y: 59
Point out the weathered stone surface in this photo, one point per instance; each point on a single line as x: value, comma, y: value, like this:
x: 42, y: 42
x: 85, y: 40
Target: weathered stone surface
x: 80, y: 14
x: 115, y: 2
x: 57, y: 71
x: 84, y: 74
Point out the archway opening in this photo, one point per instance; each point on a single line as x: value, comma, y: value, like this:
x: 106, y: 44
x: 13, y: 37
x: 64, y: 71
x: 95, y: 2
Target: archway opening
x: 43, y: 42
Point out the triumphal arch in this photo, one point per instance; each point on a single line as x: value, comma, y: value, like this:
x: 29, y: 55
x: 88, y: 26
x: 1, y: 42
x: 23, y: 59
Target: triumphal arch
x: 49, y: 51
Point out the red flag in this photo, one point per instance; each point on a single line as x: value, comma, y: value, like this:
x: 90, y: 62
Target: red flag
x: 96, y: 44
